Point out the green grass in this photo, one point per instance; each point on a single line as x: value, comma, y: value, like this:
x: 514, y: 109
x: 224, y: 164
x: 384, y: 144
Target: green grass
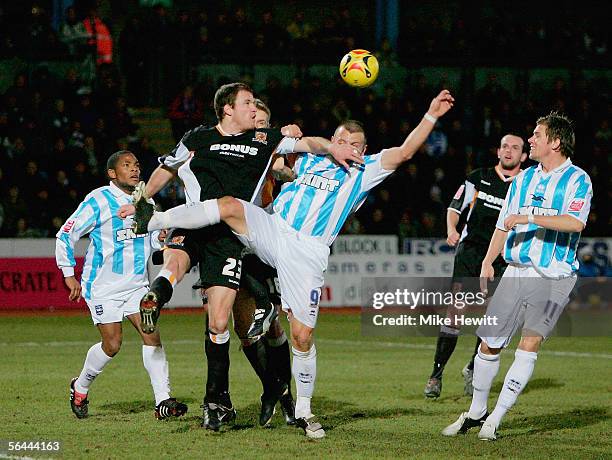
x: 369, y: 394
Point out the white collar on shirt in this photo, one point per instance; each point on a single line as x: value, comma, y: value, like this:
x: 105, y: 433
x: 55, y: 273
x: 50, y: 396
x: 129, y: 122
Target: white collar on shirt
x: 559, y: 168
x: 116, y: 190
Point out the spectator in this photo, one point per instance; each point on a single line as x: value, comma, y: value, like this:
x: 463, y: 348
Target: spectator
x: 99, y: 39
x: 73, y: 33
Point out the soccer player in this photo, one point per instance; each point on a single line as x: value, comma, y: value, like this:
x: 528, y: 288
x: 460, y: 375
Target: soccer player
x: 538, y: 230
x: 231, y: 158
x: 483, y: 191
x: 113, y: 281
x: 269, y: 354
x: 307, y: 216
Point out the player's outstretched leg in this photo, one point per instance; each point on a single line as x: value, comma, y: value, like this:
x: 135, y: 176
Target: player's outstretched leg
x: 144, y: 209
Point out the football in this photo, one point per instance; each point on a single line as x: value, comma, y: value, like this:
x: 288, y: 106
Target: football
x: 359, y: 68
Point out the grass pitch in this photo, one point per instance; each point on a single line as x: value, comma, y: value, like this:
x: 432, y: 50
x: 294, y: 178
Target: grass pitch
x: 368, y: 395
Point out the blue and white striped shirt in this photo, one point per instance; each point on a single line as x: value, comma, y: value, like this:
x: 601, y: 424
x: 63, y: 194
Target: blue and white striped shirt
x: 116, y: 260
x: 323, y: 195
x: 566, y: 190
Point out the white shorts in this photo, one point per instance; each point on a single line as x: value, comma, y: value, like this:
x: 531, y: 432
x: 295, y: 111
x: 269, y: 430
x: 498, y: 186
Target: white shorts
x: 300, y: 261
x: 113, y: 311
x: 526, y: 300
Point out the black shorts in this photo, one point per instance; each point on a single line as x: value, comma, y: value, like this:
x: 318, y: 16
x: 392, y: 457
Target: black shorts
x: 468, y: 263
x: 252, y: 266
x: 215, y: 249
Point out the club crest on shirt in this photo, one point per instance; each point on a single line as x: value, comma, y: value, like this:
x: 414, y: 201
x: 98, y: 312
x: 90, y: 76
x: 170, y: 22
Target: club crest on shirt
x: 177, y: 240
x: 261, y: 137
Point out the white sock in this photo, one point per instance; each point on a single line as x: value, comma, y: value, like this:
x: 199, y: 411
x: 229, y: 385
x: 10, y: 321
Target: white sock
x: 486, y: 368
x: 94, y: 363
x: 305, y: 373
x: 516, y: 379
x: 156, y: 364
x: 191, y: 216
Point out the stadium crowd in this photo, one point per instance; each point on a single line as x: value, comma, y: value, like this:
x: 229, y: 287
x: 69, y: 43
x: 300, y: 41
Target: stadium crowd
x: 55, y: 133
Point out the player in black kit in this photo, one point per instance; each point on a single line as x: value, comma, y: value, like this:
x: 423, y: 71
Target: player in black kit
x: 483, y: 191
x: 268, y: 354
x: 230, y: 158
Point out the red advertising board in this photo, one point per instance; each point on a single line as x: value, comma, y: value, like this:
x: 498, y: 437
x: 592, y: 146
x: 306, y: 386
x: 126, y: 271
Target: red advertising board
x: 34, y: 282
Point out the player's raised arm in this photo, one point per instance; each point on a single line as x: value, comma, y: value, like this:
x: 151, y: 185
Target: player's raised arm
x: 395, y: 156
x: 321, y: 146
x: 318, y: 146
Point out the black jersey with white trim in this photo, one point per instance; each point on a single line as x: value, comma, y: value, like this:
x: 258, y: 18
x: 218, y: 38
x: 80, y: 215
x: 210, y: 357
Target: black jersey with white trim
x: 212, y: 165
x: 484, y: 191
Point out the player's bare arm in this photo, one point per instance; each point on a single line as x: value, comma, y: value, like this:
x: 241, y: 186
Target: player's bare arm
x: 158, y: 180
x: 452, y: 219
x: 495, y: 248
x: 75, y: 288
x: 395, y: 156
x: 564, y: 223
x: 321, y: 146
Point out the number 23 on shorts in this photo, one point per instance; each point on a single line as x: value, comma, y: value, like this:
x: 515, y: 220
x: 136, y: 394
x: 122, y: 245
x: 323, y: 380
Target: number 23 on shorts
x: 232, y: 268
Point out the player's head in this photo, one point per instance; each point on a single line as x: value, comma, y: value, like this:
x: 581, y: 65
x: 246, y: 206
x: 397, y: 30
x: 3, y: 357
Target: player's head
x: 351, y: 132
x: 123, y: 169
x: 553, y: 134
x: 263, y: 115
x: 235, y: 101
x: 510, y: 151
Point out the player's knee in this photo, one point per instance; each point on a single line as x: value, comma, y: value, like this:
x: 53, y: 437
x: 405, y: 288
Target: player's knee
x: 531, y: 343
x: 217, y: 325
x: 111, y: 346
x: 229, y: 207
x: 487, y: 350
x: 302, y: 339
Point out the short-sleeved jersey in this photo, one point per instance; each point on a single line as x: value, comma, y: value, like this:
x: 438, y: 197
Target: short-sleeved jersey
x: 212, y: 165
x: 566, y: 190
x: 116, y: 260
x: 323, y: 195
x: 483, y: 191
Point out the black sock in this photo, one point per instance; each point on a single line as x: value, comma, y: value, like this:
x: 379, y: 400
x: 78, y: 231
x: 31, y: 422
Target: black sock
x: 471, y: 364
x: 256, y: 354
x: 217, y: 381
x: 279, y: 361
x: 444, y: 349
x: 163, y: 288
